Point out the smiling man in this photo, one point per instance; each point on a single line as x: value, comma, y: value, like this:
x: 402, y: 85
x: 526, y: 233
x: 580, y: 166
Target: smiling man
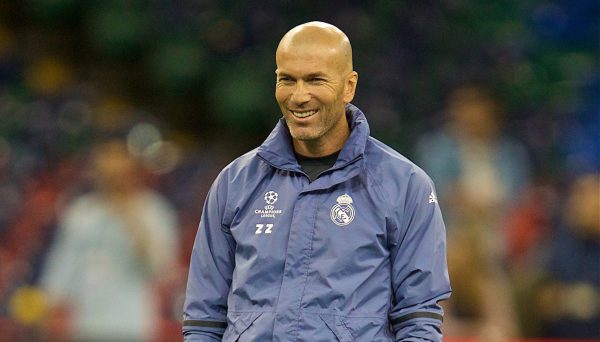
x: 315, y: 81
x: 322, y: 233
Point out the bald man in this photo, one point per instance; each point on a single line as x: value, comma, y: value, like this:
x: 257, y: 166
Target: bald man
x: 322, y: 233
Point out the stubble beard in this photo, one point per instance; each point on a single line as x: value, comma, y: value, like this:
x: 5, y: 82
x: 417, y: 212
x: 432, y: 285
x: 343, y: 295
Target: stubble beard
x: 325, y: 123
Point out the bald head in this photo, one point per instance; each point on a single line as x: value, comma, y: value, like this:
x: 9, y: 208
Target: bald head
x: 315, y: 81
x: 318, y: 36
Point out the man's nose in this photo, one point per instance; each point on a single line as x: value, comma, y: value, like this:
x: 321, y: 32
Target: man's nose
x: 300, y: 94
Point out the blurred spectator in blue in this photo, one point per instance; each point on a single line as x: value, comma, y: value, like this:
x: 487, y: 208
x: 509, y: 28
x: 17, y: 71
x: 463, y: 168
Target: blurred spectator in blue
x: 479, y: 172
x: 471, y: 159
x: 569, y: 301
x: 112, y: 245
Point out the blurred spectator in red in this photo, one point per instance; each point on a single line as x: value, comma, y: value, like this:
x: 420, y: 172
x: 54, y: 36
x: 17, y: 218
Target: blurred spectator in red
x: 569, y: 301
x: 479, y: 172
x: 112, y: 245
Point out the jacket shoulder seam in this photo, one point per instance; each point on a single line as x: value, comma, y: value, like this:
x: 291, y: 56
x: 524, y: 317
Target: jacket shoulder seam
x: 379, y: 188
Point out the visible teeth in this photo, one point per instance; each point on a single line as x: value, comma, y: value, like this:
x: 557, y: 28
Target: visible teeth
x: 304, y: 114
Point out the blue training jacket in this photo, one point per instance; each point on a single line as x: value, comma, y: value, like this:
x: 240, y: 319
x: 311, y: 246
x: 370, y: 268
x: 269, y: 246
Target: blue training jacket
x: 359, y: 254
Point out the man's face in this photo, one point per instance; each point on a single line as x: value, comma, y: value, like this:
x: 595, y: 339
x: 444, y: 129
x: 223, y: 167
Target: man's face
x: 312, y: 91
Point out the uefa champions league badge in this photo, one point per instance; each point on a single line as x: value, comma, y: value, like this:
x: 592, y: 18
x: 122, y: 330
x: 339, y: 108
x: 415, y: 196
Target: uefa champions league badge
x: 269, y: 210
x: 342, y: 213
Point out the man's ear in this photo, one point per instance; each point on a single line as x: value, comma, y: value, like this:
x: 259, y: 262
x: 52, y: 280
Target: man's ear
x: 350, y: 86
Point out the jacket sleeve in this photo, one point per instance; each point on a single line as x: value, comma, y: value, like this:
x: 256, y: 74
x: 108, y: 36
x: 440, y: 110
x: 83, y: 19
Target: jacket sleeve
x: 419, y: 268
x: 210, y: 273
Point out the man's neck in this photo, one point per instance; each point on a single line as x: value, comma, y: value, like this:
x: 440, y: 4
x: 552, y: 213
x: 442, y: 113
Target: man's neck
x: 313, y: 151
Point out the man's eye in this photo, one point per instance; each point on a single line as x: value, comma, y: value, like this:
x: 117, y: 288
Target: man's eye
x: 284, y: 79
x: 316, y: 80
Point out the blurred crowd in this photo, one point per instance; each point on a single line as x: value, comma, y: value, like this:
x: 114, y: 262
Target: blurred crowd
x: 115, y: 117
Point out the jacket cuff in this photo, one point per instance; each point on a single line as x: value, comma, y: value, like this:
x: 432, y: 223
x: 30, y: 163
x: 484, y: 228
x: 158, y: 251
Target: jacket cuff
x: 418, y: 326
x: 203, y: 330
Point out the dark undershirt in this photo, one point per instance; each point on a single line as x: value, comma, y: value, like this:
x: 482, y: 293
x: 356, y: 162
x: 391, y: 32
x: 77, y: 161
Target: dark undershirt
x: 314, y: 166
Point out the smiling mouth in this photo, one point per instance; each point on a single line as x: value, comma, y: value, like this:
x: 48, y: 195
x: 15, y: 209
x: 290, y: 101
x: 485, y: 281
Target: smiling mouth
x: 303, y: 114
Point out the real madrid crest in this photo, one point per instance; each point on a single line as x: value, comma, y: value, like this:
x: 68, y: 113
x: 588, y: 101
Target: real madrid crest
x: 343, y: 212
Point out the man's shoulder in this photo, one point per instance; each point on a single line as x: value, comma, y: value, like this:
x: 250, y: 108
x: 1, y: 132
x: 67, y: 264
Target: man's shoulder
x: 378, y: 152
x: 386, y: 163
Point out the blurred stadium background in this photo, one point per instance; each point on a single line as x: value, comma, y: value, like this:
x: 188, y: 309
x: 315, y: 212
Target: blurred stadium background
x: 189, y: 86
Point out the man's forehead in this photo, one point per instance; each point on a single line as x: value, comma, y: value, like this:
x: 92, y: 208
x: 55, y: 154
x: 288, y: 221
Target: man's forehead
x: 308, y: 53
x: 307, y: 62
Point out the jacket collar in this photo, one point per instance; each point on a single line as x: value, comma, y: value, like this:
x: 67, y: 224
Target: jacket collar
x: 278, y: 150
